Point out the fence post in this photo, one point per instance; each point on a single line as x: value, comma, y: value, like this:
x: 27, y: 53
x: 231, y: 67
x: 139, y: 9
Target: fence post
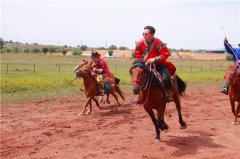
x: 59, y: 68
x: 34, y: 68
x: 7, y: 68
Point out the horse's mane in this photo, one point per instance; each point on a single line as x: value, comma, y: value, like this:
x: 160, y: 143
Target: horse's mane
x: 141, y: 64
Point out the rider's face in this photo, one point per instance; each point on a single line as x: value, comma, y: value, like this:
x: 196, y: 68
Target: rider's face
x: 94, y: 59
x: 147, y: 35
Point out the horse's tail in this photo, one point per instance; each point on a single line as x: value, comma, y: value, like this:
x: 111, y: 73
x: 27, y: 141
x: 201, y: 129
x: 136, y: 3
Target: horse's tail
x: 181, y: 85
x: 119, y: 91
x: 117, y: 80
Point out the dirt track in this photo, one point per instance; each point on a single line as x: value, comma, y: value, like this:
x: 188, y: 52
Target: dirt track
x: 53, y: 129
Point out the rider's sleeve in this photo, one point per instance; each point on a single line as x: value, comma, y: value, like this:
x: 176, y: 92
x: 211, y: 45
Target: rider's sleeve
x: 138, y: 52
x: 162, y: 51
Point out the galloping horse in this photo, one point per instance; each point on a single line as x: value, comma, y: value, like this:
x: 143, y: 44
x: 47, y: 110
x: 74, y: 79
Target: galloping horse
x: 91, y: 85
x: 154, y: 97
x: 233, y: 79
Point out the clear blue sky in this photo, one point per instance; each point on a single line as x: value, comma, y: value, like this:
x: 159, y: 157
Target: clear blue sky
x: 181, y: 24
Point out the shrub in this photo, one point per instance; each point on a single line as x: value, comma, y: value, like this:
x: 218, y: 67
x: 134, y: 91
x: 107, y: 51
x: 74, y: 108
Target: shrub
x: 6, y: 50
x: 83, y: 47
x: 16, y: 49
x: 123, y: 48
x: 133, y: 55
x: 229, y: 57
x: 113, y: 47
x: 101, y: 48
x: 26, y: 50
x: 36, y: 50
x: 77, y: 52
x: 110, y: 53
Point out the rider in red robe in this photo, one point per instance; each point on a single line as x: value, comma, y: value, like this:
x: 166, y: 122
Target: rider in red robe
x: 100, y: 70
x: 153, y: 50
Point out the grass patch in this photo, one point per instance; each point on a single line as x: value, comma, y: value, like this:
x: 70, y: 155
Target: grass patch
x: 25, y: 76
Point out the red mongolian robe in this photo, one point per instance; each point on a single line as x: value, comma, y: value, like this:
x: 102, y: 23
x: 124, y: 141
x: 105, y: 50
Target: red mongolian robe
x: 158, y: 49
x: 102, y: 64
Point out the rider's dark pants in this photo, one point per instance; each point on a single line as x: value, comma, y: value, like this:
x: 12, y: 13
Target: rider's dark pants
x: 162, y: 69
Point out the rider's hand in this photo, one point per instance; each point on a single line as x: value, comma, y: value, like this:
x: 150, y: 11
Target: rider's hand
x: 93, y: 74
x: 94, y: 69
x: 151, y: 61
x: 239, y: 61
x: 225, y: 39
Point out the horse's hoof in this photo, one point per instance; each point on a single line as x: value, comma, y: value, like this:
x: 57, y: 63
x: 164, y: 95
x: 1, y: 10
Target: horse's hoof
x: 157, y: 140
x: 183, y: 125
x: 88, y: 112
x: 81, y: 114
x: 164, y: 126
x: 108, y: 102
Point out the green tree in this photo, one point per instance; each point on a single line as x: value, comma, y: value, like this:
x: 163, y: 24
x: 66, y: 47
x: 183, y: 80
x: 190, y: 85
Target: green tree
x: 83, y: 47
x: 2, y: 43
x: 64, y: 51
x: 110, y: 53
x: 113, y: 47
x: 44, y: 50
x: 52, y: 49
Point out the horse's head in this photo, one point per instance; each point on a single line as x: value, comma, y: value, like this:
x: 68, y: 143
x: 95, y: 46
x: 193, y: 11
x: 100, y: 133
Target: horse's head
x: 139, y: 72
x: 83, y: 69
x: 231, y: 74
x: 81, y: 64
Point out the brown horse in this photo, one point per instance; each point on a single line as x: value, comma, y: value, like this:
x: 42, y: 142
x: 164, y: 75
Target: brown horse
x: 233, y: 79
x: 154, y: 96
x: 91, y: 86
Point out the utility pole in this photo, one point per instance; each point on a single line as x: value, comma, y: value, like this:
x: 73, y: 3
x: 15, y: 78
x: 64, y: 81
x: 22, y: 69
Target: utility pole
x: 106, y: 46
x: 58, y: 46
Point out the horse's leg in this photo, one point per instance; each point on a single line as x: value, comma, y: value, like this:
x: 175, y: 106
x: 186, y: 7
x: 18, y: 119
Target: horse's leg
x: 96, y: 101
x: 160, y: 114
x: 178, y: 106
x: 154, y: 120
x: 164, y: 125
x: 90, y: 110
x: 237, y: 112
x: 115, y: 96
x: 108, y: 98
x: 88, y: 100
x: 232, y: 105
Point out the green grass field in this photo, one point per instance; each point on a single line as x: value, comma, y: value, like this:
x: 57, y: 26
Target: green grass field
x: 26, y: 76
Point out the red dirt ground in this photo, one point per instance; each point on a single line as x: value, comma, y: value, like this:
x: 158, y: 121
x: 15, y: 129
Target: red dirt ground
x: 53, y: 129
